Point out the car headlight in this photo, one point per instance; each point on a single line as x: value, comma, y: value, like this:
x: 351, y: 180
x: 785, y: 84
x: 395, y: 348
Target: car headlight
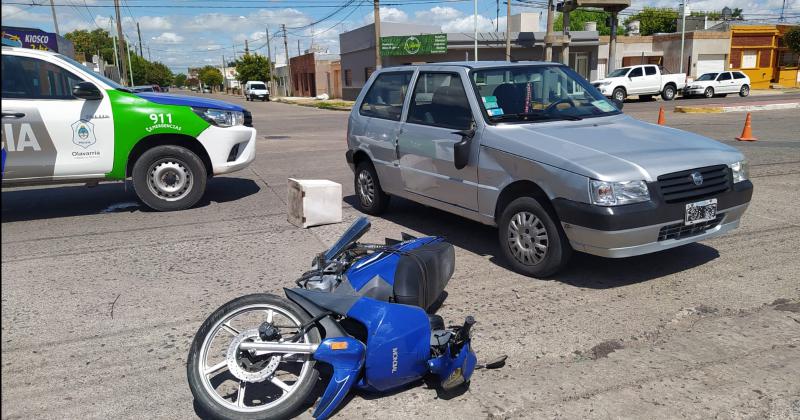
x: 606, y: 83
x: 695, y: 87
x: 220, y: 117
x: 740, y: 171
x: 604, y: 193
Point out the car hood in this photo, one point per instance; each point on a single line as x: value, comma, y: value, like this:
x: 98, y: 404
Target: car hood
x: 703, y: 83
x: 615, y: 148
x: 169, y: 99
x: 609, y: 79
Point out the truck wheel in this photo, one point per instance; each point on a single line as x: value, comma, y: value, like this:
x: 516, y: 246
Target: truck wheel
x: 668, y: 93
x: 169, y: 178
x: 744, y: 91
x: 619, y: 94
x: 371, y: 198
x: 531, y: 240
x: 709, y: 92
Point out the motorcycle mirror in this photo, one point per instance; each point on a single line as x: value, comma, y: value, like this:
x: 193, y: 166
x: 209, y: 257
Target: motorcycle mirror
x: 495, y: 363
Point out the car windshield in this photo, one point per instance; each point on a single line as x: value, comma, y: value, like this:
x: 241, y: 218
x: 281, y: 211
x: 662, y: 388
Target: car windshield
x: 619, y: 72
x: 258, y: 86
x: 95, y: 74
x: 707, y: 76
x: 538, y: 93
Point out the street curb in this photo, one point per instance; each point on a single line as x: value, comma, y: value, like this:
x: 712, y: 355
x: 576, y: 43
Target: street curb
x: 313, y: 105
x: 736, y: 108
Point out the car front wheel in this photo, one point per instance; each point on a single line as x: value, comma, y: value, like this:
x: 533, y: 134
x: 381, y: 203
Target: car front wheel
x: 169, y: 178
x: 531, y: 239
x: 709, y: 92
x: 619, y: 94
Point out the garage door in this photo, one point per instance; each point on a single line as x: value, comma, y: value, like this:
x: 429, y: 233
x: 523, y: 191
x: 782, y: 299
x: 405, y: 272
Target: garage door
x: 710, y: 63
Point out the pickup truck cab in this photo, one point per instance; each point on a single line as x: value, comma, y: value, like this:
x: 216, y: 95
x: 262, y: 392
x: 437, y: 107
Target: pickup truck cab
x: 644, y: 80
x: 535, y: 150
x: 63, y: 123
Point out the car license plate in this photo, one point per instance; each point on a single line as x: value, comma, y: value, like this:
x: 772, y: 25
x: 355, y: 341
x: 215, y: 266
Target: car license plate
x: 701, y: 211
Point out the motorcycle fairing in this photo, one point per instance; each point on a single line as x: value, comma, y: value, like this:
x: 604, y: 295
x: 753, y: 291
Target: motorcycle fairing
x: 398, y: 343
x: 451, y: 371
x: 346, y: 356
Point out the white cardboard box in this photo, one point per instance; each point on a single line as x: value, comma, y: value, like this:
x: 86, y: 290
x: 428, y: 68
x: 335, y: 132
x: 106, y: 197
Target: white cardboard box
x: 313, y: 202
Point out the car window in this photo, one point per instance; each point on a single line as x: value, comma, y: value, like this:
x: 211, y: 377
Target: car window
x: 650, y: 70
x: 737, y: 75
x: 439, y: 99
x: 707, y: 76
x: 31, y: 78
x: 724, y: 76
x: 386, y: 96
x: 258, y: 86
x: 637, y: 72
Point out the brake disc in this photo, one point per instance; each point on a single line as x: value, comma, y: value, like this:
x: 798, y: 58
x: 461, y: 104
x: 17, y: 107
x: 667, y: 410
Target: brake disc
x: 243, y: 369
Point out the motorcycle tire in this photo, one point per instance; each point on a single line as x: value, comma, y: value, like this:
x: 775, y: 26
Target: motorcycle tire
x: 285, y: 406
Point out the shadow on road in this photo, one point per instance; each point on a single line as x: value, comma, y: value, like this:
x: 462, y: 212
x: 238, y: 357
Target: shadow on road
x: 584, y: 270
x: 68, y: 201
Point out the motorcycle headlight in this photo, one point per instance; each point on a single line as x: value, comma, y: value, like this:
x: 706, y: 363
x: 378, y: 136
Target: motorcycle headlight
x: 604, y: 193
x: 220, y: 117
x: 740, y: 171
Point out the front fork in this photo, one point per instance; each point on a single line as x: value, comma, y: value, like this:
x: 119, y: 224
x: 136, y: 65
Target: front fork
x: 455, y: 366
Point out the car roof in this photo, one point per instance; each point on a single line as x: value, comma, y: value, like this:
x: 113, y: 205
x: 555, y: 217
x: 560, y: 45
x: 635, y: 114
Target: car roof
x: 7, y: 48
x: 475, y: 64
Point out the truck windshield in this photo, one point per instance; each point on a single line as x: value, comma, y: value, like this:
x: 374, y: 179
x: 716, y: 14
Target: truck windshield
x: 619, y: 72
x: 538, y: 93
x: 258, y: 86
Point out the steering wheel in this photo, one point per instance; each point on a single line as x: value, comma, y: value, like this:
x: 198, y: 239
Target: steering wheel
x: 553, y: 106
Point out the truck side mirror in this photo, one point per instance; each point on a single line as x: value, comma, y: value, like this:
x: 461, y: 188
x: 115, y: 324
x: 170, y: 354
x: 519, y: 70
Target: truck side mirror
x: 87, y: 91
x: 461, y: 149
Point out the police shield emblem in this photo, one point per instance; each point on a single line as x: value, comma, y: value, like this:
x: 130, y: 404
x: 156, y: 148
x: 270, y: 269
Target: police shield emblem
x: 83, y: 133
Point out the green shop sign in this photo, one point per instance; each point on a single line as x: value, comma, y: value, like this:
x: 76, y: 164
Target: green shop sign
x: 413, y: 45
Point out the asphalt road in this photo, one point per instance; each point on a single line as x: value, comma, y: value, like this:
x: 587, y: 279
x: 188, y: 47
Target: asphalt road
x: 100, y: 298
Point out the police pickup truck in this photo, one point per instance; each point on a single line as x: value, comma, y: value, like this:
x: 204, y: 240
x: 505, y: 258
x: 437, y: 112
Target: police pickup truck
x: 63, y: 123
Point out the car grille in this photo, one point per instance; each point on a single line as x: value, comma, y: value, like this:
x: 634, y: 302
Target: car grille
x: 680, y: 230
x: 248, y: 118
x: 679, y: 186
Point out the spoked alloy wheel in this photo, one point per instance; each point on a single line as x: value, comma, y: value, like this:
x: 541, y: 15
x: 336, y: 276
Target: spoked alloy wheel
x: 744, y: 91
x: 371, y: 198
x: 527, y: 238
x: 366, y: 188
x: 231, y: 380
x: 709, y: 92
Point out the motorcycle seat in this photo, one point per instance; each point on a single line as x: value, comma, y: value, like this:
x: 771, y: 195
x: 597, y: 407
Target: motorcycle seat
x: 422, y: 274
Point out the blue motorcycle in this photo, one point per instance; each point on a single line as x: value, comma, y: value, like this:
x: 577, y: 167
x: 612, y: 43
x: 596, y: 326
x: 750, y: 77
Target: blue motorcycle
x: 362, y: 310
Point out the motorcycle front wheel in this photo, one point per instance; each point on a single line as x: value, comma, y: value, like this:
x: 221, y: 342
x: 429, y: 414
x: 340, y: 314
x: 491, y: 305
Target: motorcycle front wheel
x: 229, y: 382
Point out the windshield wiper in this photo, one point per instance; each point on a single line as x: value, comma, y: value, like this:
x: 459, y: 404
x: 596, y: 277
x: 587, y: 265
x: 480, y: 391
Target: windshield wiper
x: 528, y: 116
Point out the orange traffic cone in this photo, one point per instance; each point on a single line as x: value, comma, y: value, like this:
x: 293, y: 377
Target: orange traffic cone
x: 661, y: 119
x: 747, y: 132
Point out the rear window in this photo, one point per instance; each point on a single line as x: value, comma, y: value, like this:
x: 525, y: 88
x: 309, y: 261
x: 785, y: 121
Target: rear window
x: 386, y: 96
x: 737, y: 75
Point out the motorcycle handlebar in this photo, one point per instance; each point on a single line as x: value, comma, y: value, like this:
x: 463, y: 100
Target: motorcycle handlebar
x: 463, y: 332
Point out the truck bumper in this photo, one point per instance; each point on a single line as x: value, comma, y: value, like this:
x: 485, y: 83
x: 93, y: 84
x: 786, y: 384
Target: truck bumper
x: 230, y: 148
x: 644, y: 228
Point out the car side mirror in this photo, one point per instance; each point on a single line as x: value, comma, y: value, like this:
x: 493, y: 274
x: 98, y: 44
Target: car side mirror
x: 461, y: 149
x: 87, y: 91
x: 619, y: 104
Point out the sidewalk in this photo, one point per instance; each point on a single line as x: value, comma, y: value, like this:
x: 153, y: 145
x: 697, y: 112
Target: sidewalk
x: 739, y: 107
x: 333, y: 104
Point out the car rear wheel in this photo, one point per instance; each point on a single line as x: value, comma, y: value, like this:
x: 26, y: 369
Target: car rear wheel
x: 531, y: 239
x: 709, y: 92
x: 169, y: 178
x: 744, y: 91
x: 371, y: 198
x: 668, y: 93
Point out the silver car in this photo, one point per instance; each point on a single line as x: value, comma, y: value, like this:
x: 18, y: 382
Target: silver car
x: 534, y: 149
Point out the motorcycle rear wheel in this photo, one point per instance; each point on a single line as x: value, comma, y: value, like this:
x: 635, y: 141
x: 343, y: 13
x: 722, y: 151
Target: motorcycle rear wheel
x: 279, y: 390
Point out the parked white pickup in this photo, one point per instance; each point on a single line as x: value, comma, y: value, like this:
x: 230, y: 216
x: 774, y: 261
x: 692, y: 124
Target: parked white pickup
x: 643, y: 80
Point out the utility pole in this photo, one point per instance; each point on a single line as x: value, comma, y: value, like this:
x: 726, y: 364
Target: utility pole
x: 55, y: 20
x: 225, y: 85
x: 497, y: 17
x: 508, y: 30
x: 376, y: 14
x: 234, y: 52
x: 130, y: 62
x: 246, y: 48
x: 148, y: 54
x: 548, y: 37
x: 269, y: 64
x: 683, y: 32
x: 475, y: 27
x: 298, y: 47
x: 565, y: 37
x: 782, y: 18
x: 139, y: 32
x: 288, y: 66
x: 612, y: 43
x: 121, y: 41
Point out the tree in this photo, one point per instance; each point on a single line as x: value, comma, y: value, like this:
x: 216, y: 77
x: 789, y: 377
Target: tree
x: 654, y: 20
x: 578, y: 17
x: 159, y: 74
x: 179, y: 80
x: 792, y: 39
x: 252, y: 67
x: 90, y: 43
x: 210, y: 76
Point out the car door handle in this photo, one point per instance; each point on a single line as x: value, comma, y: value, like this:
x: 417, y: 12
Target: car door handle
x: 13, y: 114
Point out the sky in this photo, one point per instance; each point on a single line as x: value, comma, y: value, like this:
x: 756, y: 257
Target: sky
x: 193, y: 33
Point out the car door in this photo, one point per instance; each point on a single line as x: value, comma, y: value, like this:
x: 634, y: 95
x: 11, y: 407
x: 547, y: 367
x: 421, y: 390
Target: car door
x: 47, y: 132
x: 652, y: 80
x: 438, y: 107
x: 637, y: 81
x: 724, y: 82
x: 380, y: 123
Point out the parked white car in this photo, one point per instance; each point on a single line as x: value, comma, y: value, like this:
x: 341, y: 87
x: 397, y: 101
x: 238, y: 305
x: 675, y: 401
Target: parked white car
x: 721, y: 84
x: 645, y: 81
